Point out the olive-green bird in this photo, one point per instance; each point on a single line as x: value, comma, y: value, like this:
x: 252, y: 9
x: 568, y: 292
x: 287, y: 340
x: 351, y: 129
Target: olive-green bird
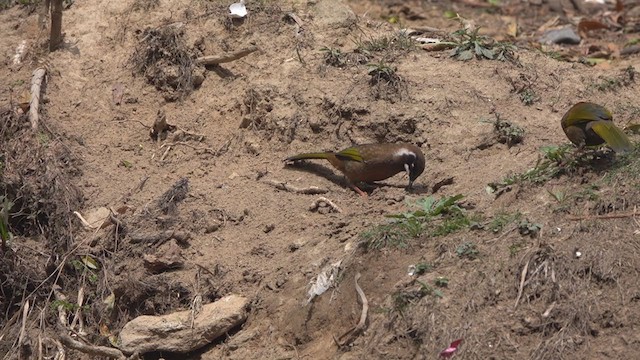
x: 589, y: 124
x: 372, y: 162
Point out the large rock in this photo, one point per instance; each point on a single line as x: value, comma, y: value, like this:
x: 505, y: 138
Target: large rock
x: 175, y: 333
x: 335, y: 13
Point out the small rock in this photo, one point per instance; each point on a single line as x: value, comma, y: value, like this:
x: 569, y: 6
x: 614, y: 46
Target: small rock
x: 168, y: 257
x: 560, y: 36
x: 212, y: 227
x: 253, y: 148
x: 197, y: 76
x: 242, y: 338
x: 178, y: 333
x: 269, y: 228
x: 333, y: 13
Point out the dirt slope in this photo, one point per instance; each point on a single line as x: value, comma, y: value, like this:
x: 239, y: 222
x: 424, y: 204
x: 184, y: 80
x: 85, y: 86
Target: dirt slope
x: 250, y: 238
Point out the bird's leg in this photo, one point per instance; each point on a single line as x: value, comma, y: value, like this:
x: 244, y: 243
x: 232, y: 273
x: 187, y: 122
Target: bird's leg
x: 358, y: 190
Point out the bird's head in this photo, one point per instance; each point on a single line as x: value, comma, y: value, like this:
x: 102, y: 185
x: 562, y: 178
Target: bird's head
x: 413, y: 160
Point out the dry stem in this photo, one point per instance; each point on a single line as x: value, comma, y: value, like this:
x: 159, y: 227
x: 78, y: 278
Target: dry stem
x: 219, y: 59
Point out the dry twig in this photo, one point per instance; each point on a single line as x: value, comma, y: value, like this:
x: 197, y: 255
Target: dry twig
x: 219, y: 59
x: 311, y: 190
x: 605, y: 216
x: 523, y: 277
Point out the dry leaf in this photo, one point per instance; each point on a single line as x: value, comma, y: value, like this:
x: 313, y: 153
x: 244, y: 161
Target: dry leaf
x: 587, y: 25
x: 90, y: 262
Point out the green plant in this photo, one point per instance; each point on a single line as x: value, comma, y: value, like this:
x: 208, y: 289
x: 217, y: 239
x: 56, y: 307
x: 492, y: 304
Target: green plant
x: 515, y: 248
x: 441, y: 281
x: 43, y: 138
x: 625, y: 78
x: 627, y: 165
x: 467, y: 250
x: 441, y: 216
x: 402, y: 299
x: 528, y: 96
x: 422, y: 268
x: 556, y: 160
x: 527, y: 228
x: 86, y: 265
x: 469, y: 44
x: 5, y: 234
x: 382, y: 71
x: 333, y: 57
x: 502, y: 219
x: 67, y: 306
x: 506, y: 132
x: 555, y: 55
x: 391, y: 235
x: 451, y: 217
x: 398, y: 42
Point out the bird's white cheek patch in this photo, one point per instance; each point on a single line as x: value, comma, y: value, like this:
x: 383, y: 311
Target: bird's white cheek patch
x: 404, y: 151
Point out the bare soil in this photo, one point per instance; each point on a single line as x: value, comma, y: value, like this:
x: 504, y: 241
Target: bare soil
x: 213, y: 178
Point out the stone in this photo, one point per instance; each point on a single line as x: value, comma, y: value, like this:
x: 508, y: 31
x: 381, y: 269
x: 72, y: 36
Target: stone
x: 177, y: 332
x: 168, y: 257
x: 560, y: 36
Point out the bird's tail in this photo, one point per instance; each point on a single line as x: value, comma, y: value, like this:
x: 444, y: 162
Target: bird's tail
x: 613, y: 136
x: 304, y: 156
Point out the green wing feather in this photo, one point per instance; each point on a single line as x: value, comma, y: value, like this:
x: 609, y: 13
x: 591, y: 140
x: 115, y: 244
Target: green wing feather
x: 612, y: 135
x: 350, y: 154
x: 587, y: 111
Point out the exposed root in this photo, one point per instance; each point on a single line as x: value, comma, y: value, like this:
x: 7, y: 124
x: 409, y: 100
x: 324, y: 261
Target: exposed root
x: 322, y: 202
x: 112, y: 353
x: 352, y: 334
x: 311, y: 190
x: 34, y: 104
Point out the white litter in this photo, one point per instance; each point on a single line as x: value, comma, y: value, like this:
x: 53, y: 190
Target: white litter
x: 324, y: 280
x: 238, y: 10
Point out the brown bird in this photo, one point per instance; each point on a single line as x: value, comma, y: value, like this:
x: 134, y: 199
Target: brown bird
x: 589, y: 124
x: 372, y: 162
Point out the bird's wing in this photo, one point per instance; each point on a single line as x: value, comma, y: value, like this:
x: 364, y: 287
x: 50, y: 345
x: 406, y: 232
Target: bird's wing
x: 614, y: 137
x: 351, y: 154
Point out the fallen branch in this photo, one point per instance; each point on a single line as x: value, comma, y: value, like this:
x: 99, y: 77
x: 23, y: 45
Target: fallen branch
x: 311, y: 190
x: 324, y: 202
x: 69, y: 342
x: 219, y: 59
x: 630, y: 50
x: 206, y: 150
x: 352, y: 334
x: 605, y: 216
x: 34, y: 104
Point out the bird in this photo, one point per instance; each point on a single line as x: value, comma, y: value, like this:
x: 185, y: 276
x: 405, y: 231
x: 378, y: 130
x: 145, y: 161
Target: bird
x: 589, y: 124
x: 372, y: 162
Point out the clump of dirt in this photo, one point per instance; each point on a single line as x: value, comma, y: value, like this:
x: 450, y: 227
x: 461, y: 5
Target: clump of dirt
x: 164, y: 59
